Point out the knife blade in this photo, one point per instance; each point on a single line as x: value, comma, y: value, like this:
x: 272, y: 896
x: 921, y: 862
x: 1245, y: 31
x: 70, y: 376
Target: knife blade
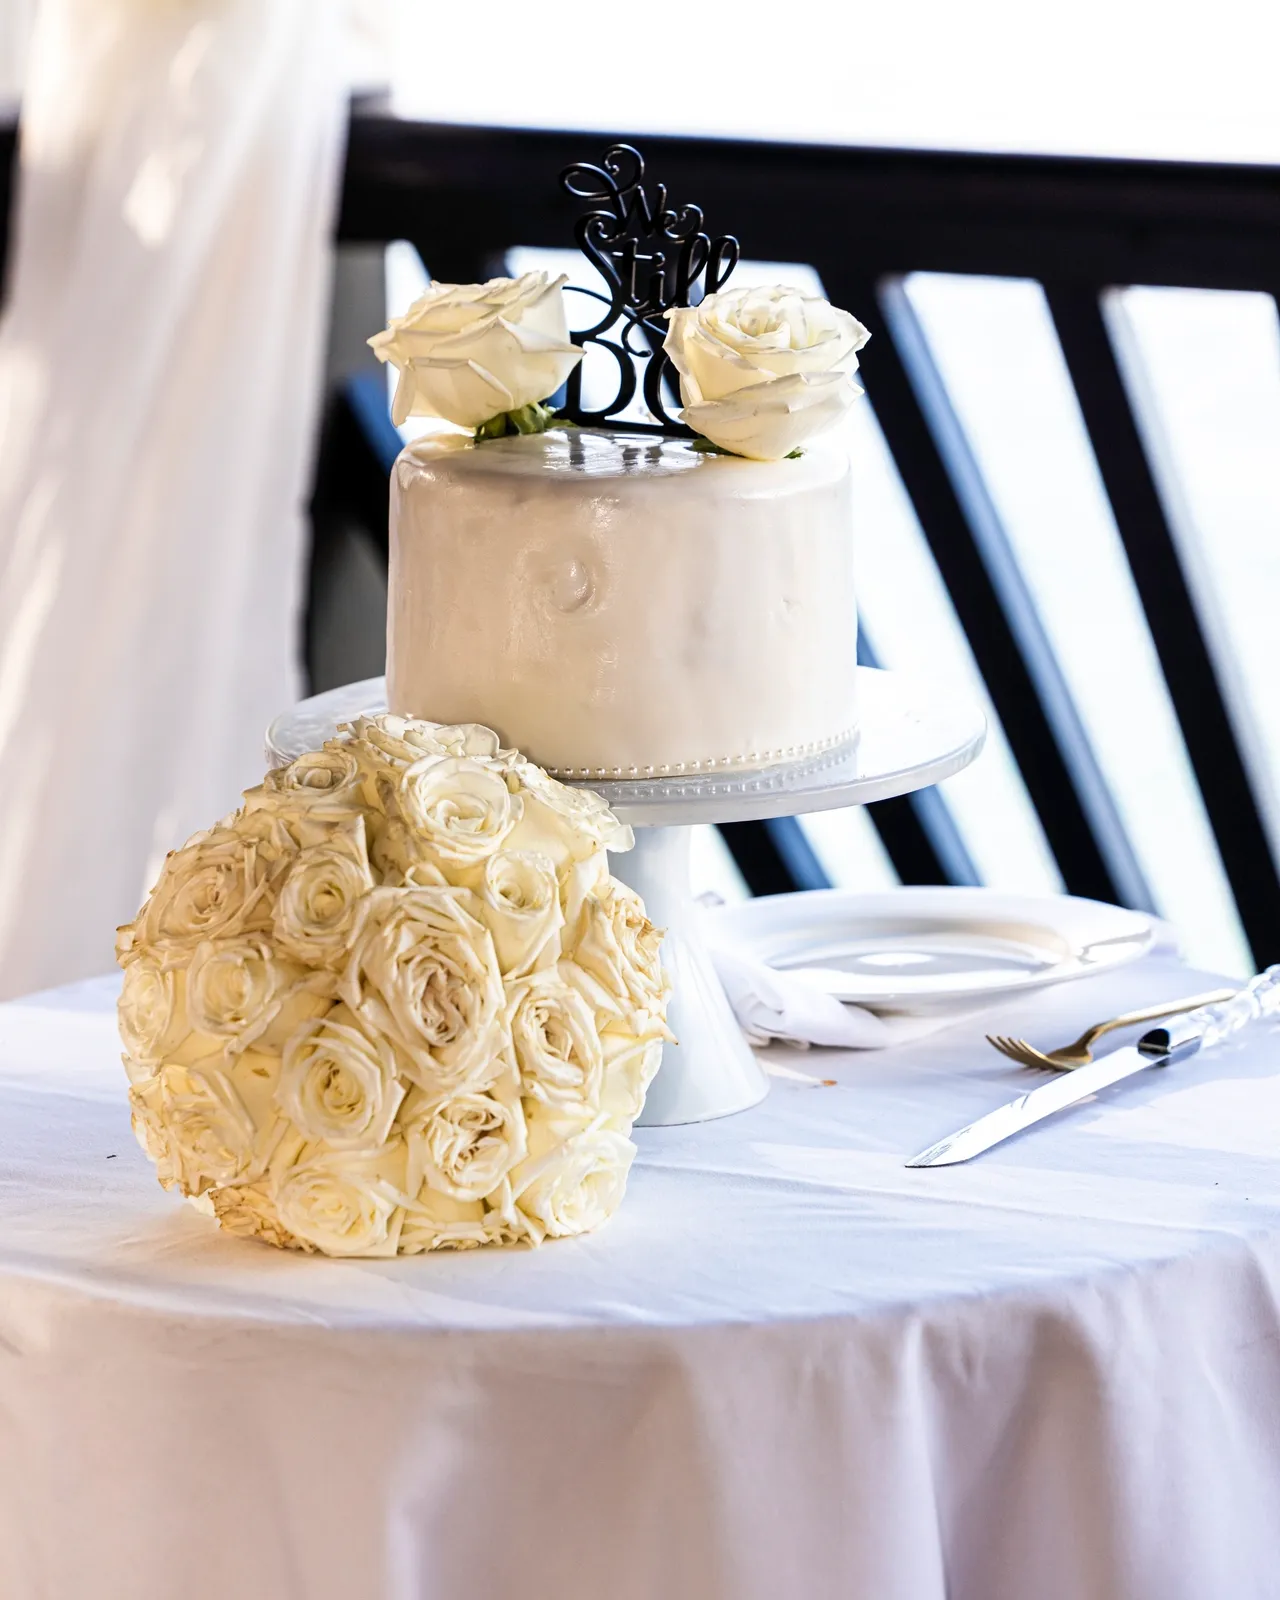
x: 1158, y: 1048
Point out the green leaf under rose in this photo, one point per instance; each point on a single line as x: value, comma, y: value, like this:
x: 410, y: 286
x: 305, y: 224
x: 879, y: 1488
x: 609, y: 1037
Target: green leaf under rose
x: 535, y: 418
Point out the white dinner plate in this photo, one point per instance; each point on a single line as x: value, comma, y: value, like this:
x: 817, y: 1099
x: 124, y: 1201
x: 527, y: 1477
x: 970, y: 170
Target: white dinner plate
x: 923, y: 949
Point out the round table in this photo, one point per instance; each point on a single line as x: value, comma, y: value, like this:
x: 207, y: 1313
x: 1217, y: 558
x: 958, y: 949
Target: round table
x: 789, y: 1367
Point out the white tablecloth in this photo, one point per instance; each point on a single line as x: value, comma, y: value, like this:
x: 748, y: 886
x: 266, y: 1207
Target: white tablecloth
x: 790, y: 1367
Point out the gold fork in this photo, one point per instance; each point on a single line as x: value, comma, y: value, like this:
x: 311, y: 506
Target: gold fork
x: 1079, y: 1053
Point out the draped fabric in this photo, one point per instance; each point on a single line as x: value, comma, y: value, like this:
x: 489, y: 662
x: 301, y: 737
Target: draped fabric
x: 159, y: 372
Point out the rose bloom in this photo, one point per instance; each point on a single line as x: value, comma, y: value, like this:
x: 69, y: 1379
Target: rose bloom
x: 218, y: 884
x: 238, y: 989
x: 571, y: 823
x: 339, y: 1085
x: 340, y: 1203
x: 469, y: 352
x: 247, y: 1210
x: 462, y: 809
x: 321, y: 900
x: 556, y: 1042
x: 391, y: 741
x: 402, y: 858
x: 326, y: 777
x: 435, y: 1222
x: 424, y: 973
x: 464, y: 1146
x: 574, y: 1178
x: 630, y: 1065
x: 520, y: 905
x: 152, y: 1011
x: 471, y: 739
x: 763, y: 370
x: 151, y: 1133
x: 212, y: 1139
x: 615, y: 959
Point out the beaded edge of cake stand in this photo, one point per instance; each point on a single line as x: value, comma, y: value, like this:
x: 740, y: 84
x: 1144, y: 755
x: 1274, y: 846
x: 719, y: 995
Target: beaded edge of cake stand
x: 708, y: 782
x: 755, y: 761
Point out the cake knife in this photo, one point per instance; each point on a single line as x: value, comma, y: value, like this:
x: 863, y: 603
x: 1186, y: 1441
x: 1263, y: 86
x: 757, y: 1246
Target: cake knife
x: 1176, y: 1040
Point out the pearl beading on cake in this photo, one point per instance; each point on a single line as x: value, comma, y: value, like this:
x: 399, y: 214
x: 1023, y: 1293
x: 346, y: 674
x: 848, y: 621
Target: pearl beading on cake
x: 686, y: 769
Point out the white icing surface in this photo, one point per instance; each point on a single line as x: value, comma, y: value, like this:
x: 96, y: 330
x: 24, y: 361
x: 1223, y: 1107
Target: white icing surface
x: 623, y: 604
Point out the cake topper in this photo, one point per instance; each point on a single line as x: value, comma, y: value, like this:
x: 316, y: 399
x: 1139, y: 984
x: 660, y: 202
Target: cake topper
x: 652, y: 256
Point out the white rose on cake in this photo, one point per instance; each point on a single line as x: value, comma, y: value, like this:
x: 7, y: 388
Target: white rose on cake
x: 470, y: 353
x: 396, y: 1003
x: 764, y: 370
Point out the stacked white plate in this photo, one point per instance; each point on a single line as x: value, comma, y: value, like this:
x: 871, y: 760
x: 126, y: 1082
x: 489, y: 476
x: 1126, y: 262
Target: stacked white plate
x: 919, y: 950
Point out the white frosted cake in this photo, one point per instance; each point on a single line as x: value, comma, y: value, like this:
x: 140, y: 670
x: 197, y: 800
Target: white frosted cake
x: 622, y: 605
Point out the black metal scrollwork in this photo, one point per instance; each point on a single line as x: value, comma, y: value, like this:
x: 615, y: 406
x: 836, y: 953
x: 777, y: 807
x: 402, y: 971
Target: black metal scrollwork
x: 652, y: 256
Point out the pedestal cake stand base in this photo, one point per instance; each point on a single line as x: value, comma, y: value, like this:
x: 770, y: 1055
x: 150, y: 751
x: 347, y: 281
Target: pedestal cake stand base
x: 910, y: 735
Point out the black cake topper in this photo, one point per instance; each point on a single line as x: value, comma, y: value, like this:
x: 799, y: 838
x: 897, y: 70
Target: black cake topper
x: 652, y: 256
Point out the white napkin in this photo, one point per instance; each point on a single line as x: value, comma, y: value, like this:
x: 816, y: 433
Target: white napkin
x: 778, y: 1005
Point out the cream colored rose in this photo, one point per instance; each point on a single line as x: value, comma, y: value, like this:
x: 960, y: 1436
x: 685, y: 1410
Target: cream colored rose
x: 574, y: 1177
x: 471, y: 739
x: 435, y: 1222
x: 570, y: 823
x: 338, y: 1084
x: 218, y: 885
x: 322, y: 778
x: 556, y: 1042
x: 615, y: 959
x: 151, y: 1012
x: 403, y: 858
x: 579, y: 880
x: 469, y: 352
x: 423, y: 971
x: 247, y: 1210
x: 520, y: 905
x: 464, y: 1146
x: 211, y: 1137
x: 630, y: 1065
x: 762, y: 370
x: 391, y: 741
x: 462, y: 809
x: 321, y: 901
x: 239, y: 991
x: 341, y: 1204
x: 150, y: 1131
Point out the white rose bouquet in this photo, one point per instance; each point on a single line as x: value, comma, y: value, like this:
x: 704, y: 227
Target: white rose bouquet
x: 481, y: 355
x: 396, y: 1002
x: 763, y: 370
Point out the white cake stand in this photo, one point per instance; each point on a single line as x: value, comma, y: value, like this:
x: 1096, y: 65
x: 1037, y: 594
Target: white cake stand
x: 910, y: 736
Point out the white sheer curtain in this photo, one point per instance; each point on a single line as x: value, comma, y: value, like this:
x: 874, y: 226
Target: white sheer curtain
x: 159, y: 364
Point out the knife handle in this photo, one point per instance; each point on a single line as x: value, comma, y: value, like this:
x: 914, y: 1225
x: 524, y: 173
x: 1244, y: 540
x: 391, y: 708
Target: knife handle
x: 1259, y: 998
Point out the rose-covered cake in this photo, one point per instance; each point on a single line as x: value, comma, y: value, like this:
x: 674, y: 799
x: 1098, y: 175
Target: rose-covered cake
x: 396, y: 1002
x: 623, y: 604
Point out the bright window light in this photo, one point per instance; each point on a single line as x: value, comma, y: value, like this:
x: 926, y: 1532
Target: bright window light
x: 995, y: 345
x: 1092, y: 77
x: 1203, y: 372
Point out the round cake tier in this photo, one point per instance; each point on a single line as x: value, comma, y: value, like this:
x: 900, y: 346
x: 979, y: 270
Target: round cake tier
x: 625, y: 606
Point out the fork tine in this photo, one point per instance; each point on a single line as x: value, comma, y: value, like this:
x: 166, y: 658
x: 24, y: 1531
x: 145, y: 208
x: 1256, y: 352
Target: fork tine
x: 1026, y: 1055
